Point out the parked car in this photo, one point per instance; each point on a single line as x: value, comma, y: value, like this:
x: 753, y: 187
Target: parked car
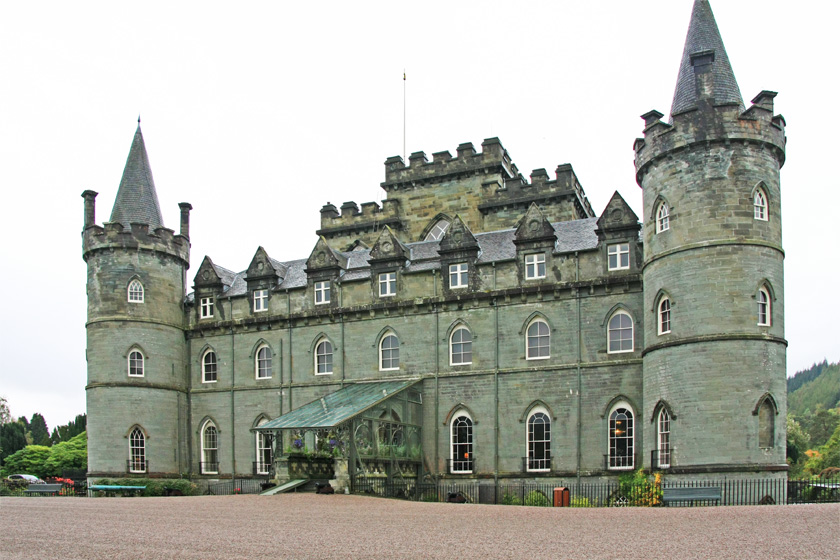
x: 16, y: 480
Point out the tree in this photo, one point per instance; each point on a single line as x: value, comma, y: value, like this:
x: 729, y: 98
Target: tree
x: 5, y: 415
x: 821, y: 425
x: 12, y: 439
x: 829, y: 455
x: 29, y: 460
x: 69, y: 430
x: 798, y: 442
x: 39, y: 430
x: 67, y: 455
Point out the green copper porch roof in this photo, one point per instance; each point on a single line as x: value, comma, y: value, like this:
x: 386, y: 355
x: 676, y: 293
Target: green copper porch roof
x: 338, y: 407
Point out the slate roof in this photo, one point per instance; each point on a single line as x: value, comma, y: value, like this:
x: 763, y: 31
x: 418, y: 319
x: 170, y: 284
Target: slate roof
x: 137, y: 199
x: 495, y: 246
x: 703, y: 35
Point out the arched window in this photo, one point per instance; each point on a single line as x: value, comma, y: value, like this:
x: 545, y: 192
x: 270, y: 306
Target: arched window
x: 621, y: 437
x: 663, y: 219
x: 760, y: 204
x: 663, y: 446
x: 137, y: 451
x: 620, y: 333
x: 437, y: 230
x: 209, y: 448
x: 135, y: 291
x: 766, y: 424
x: 324, y: 358
x: 764, y: 317
x: 263, y: 451
x: 539, y: 441
x: 135, y: 364
x: 209, y: 367
x: 263, y: 362
x: 460, y: 347
x: 664, y: 315
x: 389, y: 352
x: 461, y: 444
x: 538, y: 338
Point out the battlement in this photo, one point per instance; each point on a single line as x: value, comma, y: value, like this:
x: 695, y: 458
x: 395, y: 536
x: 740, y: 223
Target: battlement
x: 493, y: 158
x: 115, y: 236
x: 351, y: 218
x: 708, y: 124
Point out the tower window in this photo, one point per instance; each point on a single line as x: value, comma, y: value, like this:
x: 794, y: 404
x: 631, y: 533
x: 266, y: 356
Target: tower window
x: 535, y: 266
x: 766, y: 424
x: 760, y: 205
x: 264, y: 362
x: 663, y: 445
x: 437, y: 230
x: 324, y: 358
x: 322, y: 293
x: 620, y: 333
x: 621, y: 437
x: 206, y: 307
x: 135, y: 292
x: 537, y: 345
x: 618, y: 255
x: 663, y: 220
x: 460, y: 347
x: 665, y: 315
x: 137, y: 451
x: 263, y: 451
x: 135, y: 364
x: 209, y: 449
x: 209, y: 368
x: 260, y: 300
x: 539, y: 442
x: 387, y: 284
x: 458, y: 275
x: 461, y: 443
x: 389, y: 352
x: 764, y: 318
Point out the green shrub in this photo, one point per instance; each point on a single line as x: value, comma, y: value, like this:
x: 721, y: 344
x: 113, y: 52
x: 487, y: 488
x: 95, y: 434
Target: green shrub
x: 154, y: 486
x: 511, y: 500
x: 536, y: 498
x: 580, y: 501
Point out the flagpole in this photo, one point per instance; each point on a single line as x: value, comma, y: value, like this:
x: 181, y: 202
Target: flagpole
x: 404, y: 114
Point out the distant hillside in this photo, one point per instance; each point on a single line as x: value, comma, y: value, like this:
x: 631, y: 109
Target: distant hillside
x: 817, y: 385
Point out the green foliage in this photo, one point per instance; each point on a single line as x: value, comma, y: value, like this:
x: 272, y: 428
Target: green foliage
x: 69, y: 430
x: 5, y: 415
x: 639, y: 490
x: 511, y: 500
x: 580, y: 501
x: 12, y: 439
x: 536, y: 498
x: 820, y: 425
x: 38, y: 429
x: 817, y: 387
x: 154, y: 486
x: 29, y: 460
x: 829, y: 455
x: 67, y: 455
x: 798, y: 442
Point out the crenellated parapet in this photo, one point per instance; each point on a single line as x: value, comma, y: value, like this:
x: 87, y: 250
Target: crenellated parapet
x: 351, y: 220
x: 709, y: 124
x: 139, y: 237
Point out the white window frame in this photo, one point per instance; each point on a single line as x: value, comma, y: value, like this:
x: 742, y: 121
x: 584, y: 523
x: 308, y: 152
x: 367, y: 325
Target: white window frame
x: 765, y: 319
x: 209, y: 452
x: 663, y: 439
x: 619, y: 329
x: 260, y: 300
x: 663, y: 314
x: 319, y: 354
x: 134, y: 361
x: 461, y: 342
x: 459, y: 276
x: 532, y: 462
x: 438, y: 230
x: 663, y: 218
x: 536, y: 337
x: 137, y: 451
x: 760, y: 209
x: 387, y: 284
x: 618, y: 433
x: 207, y: 307
x: 262, y: 362
x: 136, y: 292
x: 322, y: 293
x: 206, y: 367
x: 262, y: 448
x: 391, y: 350
x: 534, y: 266
x: 618, y: 256
x: 462, y: 465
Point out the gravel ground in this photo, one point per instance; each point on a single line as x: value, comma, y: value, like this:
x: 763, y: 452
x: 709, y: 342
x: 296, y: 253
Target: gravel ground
x: 347, y: 527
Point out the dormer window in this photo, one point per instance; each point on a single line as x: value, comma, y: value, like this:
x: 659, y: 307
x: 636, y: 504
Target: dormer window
x: 322, y: 293
x: 618, y: 255
x: 206, y: 307
x: 260, y: 300
x: 387, y: 284
x: 135, y: 292
x: 458, y: 275
x: 535, y: 266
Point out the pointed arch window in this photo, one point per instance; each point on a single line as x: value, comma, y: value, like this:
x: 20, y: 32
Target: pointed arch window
x: 760, y: 205
x: 539, y: 441
x: 209, y: 448
x: 621, y: 436
x: 764, y: 317
x: 263, y: 362
x: 663, y: 443
x: 766, y: 424
x: 663, y: 218
x: 135, y: 291
x: 389, y: 352
x: 461, y: 444
x: 620, y: 333
x: 438, y: 230
x: 664, y: 315
x: 137, y: 451
x: 324, y: 358
x: 209, y: 367
x: 263, y: 451
x: 136, y: 366
x: 460, y: 347
x: 538, y: 341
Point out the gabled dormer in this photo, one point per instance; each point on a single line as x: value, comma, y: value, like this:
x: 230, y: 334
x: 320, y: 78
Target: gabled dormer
x: 387, y: 258
x: 535, y: 239
x: 262, y: 277
x: 323, y: 267
x: 618, y: 236
x: 458, y: 252
x: 210, y: 283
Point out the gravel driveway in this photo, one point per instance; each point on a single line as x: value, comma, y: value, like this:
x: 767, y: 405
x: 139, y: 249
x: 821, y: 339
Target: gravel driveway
x: 347, y: 527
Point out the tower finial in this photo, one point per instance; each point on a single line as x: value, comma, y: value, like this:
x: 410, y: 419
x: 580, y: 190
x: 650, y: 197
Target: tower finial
x: 138, y: 119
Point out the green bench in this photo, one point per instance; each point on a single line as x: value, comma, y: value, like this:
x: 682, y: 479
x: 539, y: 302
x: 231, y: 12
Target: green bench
x: 111, y: 489
x: 688, y: 494
x: 52, y: 489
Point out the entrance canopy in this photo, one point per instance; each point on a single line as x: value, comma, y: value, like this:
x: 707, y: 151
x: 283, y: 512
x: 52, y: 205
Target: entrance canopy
x: 338, y: 407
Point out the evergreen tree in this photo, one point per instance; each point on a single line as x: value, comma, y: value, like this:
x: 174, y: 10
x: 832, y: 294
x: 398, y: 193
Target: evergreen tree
x: 5, y: 415
x: 39, y: 430
x: 12, y: 439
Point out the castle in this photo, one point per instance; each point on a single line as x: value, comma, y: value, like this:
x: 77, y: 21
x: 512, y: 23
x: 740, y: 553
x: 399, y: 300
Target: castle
x: 477, y: 324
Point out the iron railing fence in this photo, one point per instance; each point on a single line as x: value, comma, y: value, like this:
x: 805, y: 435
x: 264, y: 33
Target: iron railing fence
x: 815, y: 491
x: 236, y: 486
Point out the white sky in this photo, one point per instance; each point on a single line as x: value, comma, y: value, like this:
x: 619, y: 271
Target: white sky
x: 258, y: 113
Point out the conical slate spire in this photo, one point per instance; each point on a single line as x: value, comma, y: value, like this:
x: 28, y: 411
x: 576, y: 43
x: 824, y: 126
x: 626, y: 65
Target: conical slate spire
x: 703, y: 35
x: 137, y: 199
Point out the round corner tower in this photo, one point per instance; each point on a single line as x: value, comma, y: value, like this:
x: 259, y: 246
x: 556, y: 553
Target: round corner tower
x: 136, y: 274
x: 714, y: 360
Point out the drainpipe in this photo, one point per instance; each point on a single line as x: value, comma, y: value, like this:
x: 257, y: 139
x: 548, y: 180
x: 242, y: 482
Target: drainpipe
x: 341, y: 319
x: 232, y: 385
x: 291, y: 360
x: 579, y: 378
x: 437, y: 375
x: 496, y: 391
x: 188, y: 399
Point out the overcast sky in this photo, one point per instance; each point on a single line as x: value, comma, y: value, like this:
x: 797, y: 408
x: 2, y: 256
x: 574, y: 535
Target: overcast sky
x: 258, y: 113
